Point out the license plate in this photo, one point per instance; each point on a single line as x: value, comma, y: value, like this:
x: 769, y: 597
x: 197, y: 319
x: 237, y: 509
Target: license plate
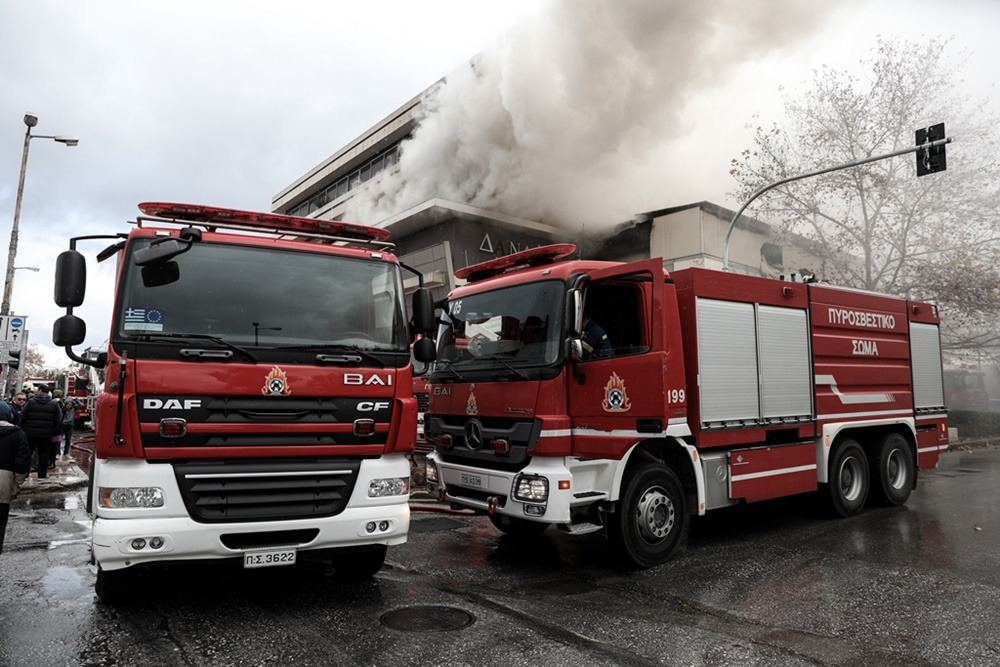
x: 472, y: 480
x: 269, y: 558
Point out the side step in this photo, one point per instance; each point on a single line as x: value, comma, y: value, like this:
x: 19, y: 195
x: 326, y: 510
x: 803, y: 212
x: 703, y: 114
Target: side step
x: 580, y: 528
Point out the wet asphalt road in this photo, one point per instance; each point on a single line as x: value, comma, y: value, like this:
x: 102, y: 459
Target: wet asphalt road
x: 769, y: 584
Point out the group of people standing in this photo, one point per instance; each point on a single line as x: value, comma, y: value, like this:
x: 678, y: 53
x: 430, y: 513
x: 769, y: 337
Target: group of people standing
x: 31, y: 432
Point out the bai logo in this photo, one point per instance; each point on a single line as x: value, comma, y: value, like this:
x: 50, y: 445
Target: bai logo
x: 171, y: 403
x: 358, y: 379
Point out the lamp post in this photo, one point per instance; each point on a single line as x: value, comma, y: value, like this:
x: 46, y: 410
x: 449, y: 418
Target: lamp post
x: 30, y: 120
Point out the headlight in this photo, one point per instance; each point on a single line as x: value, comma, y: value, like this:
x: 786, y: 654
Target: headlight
x: 431, y: 471
x: 532, y: 489
x: 389, y: 486
x: 131, y: 496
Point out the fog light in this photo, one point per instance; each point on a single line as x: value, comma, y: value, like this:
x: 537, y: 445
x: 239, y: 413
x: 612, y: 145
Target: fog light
x: 142, y: 496
x: 431, y: 471
x: 156, y: 543
x: 138, y: 543
x: 534, y: 510
x: 383, y: 526
x: 532, y: 489
x: 370, y: 526
x: 389, y: 486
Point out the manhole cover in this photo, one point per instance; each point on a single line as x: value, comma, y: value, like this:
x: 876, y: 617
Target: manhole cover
x: 427, y: 619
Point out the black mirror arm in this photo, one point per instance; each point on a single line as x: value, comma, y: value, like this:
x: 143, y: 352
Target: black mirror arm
x: 80, y: 360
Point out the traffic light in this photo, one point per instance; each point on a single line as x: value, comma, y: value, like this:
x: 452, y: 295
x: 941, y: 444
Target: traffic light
x: 15, y: 360
x: 932, y: 159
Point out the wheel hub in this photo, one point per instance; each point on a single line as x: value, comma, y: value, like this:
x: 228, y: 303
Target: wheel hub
x: 655, y: 515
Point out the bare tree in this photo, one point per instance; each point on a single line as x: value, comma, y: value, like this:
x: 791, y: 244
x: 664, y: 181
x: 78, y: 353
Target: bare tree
x: 878, y: 226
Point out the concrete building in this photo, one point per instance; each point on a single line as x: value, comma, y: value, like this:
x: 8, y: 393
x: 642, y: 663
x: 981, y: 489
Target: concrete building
x: 438, y: 236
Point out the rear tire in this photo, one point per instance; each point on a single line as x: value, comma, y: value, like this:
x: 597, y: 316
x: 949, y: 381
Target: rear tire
x: 892, y: 470
x: 360, y: 565
x: 517, y: 527
x: 113, y: 586
x: 848, y: 487
x: 652, y: 519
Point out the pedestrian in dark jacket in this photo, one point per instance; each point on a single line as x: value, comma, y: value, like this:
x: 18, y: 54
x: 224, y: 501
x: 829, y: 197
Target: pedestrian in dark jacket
x: 41, y: 419
x: 15, y: 461
x: 15, y: 404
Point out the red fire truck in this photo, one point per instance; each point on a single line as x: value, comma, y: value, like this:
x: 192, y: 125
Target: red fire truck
x: 257, y: 400
x: 716, y: 389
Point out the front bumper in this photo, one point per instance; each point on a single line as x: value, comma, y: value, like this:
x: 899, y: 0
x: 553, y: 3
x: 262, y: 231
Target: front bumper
x: 493, y: 490
x: 183, y: 539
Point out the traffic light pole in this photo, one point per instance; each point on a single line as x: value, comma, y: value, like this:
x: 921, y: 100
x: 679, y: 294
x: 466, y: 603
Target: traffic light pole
x: 732, y: 225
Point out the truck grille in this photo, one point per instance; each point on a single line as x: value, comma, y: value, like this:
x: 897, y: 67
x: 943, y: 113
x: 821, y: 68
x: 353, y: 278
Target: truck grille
x: 265, y: 490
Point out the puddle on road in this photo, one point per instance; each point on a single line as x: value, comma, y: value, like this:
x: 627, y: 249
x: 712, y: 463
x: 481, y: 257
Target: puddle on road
x: 64, y: 583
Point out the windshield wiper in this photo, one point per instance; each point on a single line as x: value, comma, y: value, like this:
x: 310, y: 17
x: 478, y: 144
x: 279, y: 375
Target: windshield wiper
x: 497, y: 357
x: 352, y: 349
x: 190, y: 336
x: 446, y: 365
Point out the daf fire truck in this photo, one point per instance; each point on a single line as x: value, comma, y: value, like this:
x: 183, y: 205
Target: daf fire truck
x: 257, y: 401
x: 720, y: 389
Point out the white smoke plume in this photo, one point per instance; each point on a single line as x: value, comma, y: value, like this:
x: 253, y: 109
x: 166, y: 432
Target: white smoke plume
x: 573, y: 117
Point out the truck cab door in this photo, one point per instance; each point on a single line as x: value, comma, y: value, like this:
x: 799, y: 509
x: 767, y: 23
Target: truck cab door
x: 615, y: 400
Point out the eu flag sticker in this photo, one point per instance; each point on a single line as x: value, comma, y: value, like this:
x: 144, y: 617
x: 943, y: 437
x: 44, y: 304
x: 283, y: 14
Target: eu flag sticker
x: 143, y: 319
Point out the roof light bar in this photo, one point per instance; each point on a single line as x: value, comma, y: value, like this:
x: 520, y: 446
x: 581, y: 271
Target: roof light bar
x: 275, y: 221
x: 546, y: 254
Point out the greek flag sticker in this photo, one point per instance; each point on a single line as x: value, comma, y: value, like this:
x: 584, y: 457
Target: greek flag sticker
x: 143, y: 319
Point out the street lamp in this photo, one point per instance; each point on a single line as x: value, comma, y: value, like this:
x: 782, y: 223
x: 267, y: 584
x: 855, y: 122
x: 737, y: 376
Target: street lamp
x: 30, y: 120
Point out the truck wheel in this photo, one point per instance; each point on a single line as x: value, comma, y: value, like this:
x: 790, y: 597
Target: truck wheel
x: 359, y: 565
x: 112, y: 587
x: 847, y: 490
x: 649, y: 527
x: 517, y: 527
x: 892, y: 470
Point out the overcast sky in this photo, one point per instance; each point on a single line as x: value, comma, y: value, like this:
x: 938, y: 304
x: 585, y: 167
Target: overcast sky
x: 226, y: 102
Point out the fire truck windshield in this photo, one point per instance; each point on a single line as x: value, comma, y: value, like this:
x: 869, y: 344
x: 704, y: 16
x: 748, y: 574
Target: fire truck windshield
x: 229, y: 295
x: 513, y: 326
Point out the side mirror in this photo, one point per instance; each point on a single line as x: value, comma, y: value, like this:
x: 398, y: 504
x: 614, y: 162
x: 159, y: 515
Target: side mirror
x: 423, y: 350
x: 575, y: 349
x: 68, y: 330
x: 71, y: 279
x: 574, y: 312
x: 423, y: 311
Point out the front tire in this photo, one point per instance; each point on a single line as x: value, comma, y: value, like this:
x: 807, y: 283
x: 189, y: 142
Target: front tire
x: 892, y: 470
x: 848, y: 487
x: 113, y: 586
x: 360, y: 565
x: 652, y: 519
x: 517, y: 527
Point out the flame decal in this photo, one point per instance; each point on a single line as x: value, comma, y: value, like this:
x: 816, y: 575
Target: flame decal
x: 276, y: 383
x: 615, y: 396
x: 471, y: 407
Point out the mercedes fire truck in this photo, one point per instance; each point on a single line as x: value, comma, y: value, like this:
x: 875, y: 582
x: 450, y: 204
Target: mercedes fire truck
x: 717, y: 389
x: 257, y: 401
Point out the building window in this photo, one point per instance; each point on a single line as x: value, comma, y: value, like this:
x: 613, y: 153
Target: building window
x: 345, y: 184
